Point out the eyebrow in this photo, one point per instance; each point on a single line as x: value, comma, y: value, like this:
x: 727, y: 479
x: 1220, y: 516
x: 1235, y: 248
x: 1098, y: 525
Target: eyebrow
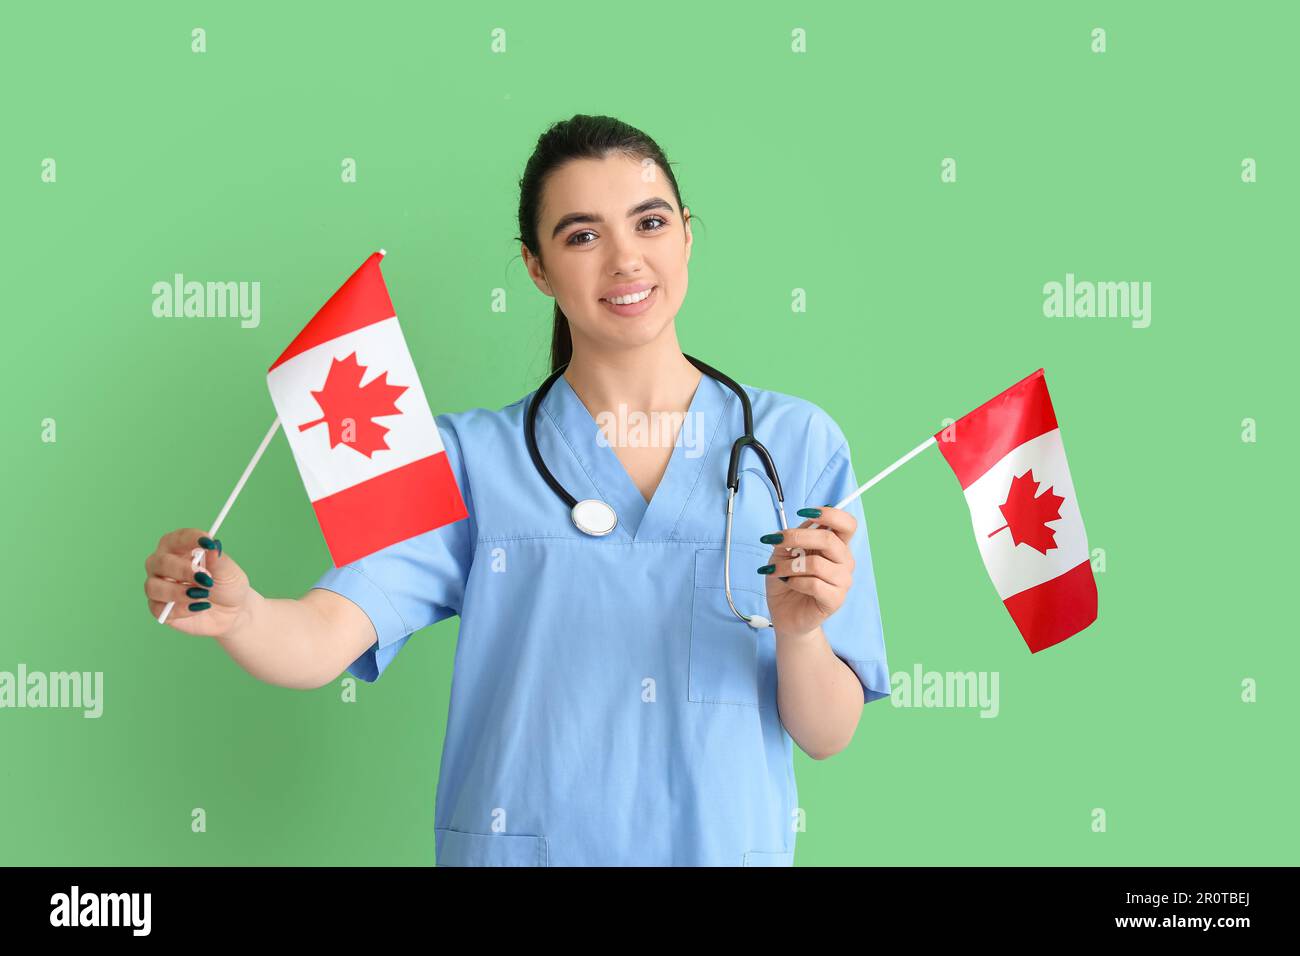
x: 574, y: 217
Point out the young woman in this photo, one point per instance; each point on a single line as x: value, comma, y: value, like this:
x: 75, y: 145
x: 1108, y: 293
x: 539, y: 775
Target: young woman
x: 619, y: 695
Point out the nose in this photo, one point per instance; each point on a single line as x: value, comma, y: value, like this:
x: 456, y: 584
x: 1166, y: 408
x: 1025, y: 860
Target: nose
x: 624, y: 256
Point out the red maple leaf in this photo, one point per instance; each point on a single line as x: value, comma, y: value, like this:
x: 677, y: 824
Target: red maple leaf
x: 348, y: 407
x: 1027, y: 516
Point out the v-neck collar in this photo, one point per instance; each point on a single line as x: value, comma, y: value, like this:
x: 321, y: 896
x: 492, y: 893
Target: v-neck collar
x: 639, y: 520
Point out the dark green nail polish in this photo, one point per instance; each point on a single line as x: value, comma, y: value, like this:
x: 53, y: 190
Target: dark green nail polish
x: 767, y: 569
x: 196, y: 592
x: 204, y: 579
x: 200, y: 605
x: 218, y: 547
x: 774, y: 538
x: 809, y: 512
x: 207, y: 543
x: 785, y: 579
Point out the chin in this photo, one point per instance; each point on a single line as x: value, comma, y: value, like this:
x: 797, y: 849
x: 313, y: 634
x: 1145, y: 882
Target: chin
x: 640, y: 332
x: 622, y: 333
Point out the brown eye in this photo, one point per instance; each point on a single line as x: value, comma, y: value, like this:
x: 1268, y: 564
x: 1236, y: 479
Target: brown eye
x: 572, y: 240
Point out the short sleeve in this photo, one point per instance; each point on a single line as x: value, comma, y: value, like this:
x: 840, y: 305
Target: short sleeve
x: 854, y: 631
x: 413, y: 583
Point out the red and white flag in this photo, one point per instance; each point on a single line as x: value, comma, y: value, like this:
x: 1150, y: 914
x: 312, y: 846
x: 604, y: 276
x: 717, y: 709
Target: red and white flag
x: 359, y: 425
x: 1008, y: 457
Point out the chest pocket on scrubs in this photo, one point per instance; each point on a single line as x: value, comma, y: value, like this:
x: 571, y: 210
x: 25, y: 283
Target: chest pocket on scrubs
x: 725, y: 653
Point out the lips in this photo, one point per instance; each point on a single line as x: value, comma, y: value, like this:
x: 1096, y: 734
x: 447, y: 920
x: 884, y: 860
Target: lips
x: 631, y: 288
x: 634, y: 309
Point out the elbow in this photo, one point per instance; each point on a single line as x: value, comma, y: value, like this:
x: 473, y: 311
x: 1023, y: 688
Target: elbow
x: 312, y: 677
x: 319, y: 679
x: 825, y: 754
x: 302, y: 682
x: 835, y: 748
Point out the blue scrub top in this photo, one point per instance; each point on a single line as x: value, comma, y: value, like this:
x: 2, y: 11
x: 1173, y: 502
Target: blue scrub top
x: 607, y: 708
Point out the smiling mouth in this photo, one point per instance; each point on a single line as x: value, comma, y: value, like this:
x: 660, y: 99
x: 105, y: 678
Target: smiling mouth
x: 643, y: 296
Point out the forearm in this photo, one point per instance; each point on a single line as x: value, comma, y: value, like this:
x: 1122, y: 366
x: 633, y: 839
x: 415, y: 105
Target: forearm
x: 818, y: 695
x: 281, y: 641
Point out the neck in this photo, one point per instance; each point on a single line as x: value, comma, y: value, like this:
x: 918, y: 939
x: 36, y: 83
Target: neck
x: 652, y: 377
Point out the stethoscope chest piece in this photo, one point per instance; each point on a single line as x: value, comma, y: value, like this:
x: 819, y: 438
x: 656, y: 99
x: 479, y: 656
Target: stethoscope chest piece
x: 592, y: 516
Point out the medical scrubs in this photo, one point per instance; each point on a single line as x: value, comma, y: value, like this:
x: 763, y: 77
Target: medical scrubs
x: 607, y: 708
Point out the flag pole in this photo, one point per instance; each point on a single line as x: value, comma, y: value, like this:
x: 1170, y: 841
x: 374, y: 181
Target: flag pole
x: 906, y: 458
x: 196, y: 560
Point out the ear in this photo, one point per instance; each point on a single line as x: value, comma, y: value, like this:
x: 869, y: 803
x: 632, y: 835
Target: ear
x: 686, y: 215
x: 535, y: 270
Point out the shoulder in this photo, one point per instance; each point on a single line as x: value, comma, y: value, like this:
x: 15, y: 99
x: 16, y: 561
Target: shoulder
x: 778, y: 412
x: 486, y: 425
x: 479, y: 439
x: 805, y: 440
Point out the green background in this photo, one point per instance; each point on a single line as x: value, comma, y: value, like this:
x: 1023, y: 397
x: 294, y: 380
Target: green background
x: 817, y: 171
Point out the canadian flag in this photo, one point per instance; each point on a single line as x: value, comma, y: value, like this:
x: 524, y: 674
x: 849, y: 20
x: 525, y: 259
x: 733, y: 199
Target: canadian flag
x: 359, y: 425
x: 1008, y: 457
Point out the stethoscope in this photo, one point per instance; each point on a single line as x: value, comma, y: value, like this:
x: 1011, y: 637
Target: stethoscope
x: 595, y: 517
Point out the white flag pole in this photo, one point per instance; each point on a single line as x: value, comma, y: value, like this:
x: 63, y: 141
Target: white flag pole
x: 196, y: 558
x: 906, y: 458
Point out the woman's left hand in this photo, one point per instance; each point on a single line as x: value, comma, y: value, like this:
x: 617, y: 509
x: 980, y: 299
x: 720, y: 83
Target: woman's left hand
x: 819, y: 567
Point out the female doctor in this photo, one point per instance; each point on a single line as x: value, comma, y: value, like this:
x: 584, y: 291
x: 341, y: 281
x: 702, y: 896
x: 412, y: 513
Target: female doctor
x: 622, y: 695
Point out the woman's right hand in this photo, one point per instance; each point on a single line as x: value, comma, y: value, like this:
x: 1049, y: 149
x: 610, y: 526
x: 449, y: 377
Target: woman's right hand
x: 170, y: 576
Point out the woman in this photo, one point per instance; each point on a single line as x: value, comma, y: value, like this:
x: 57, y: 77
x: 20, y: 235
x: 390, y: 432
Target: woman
x: 608, y: 705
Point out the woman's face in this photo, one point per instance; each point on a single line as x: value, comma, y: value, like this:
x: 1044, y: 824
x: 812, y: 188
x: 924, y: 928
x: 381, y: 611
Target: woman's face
x: 608, y: 228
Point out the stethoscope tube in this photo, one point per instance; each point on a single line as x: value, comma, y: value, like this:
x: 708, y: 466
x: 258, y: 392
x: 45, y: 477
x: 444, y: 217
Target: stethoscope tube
x: 747, y: 440
x: 530, y: 428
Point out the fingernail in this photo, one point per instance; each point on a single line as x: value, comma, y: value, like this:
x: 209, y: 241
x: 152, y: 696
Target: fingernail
x: 200, y: 605
x: 207, y: 543
x: 767, y: 569
x: 785, y: 579
x: 196, y: 592
x: 204, y: 579
x: 773, y: 538
x: 809, y: 512
x: 218, y: 547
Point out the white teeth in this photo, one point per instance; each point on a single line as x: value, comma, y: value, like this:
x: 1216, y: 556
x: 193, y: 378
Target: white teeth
x: 629, y: 299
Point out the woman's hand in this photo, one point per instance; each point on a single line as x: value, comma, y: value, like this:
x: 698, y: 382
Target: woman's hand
x: 220, y: 592
x: 818, y: 566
